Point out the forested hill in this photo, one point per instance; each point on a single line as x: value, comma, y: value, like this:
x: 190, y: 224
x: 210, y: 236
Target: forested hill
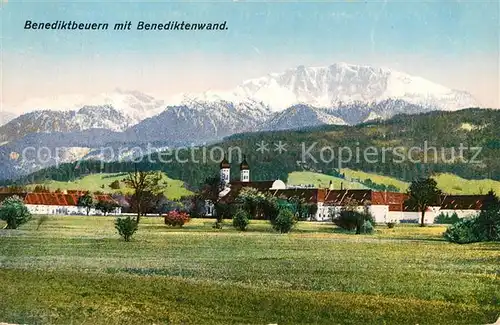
x: 372, y: 146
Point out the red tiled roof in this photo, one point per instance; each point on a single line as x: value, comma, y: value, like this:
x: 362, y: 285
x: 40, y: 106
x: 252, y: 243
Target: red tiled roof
x: 308, y: 195
x: 4, y: 196
x: 462, y: 202
x: 339, y: 197
x: 395, y: 201
x: 59, y: 199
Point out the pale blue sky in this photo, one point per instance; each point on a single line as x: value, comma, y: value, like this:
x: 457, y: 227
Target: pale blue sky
x: 445, y: 41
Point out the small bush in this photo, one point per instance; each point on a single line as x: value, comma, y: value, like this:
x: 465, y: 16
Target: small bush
x: 444, y: 218
x: 41, y: 221
x: 391, y: 224
x: 126, y: 227
x: 488, y: 224
x: 176, y: 218
x: 366, y: 228
x: 284, y: 222
x: 115, y: 185
x: 14, y: 212
x: 241, y: 220
x: 353, y: 220
x: 463, y: 232
x: 484, y: 227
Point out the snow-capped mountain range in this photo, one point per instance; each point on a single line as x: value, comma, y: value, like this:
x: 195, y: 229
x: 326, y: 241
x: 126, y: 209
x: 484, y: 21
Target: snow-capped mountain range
x: 340, y: 84
x: 298, y: 97
x: 134, y: 105
x: 6, y: 117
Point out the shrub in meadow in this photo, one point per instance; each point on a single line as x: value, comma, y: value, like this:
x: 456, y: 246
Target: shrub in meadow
x: 366, y: 227
x: 115, y: 185
x: 445, y: 218
x: 176, y: 218
x: 354, y: 220
x: 241, y: 220
x: 41, y: 221
x: 484, y: 227
x: 126, y: 227
x: 391, y: 224
x: 464, y: 231
x: 14, y: 212
x: 284, y: 222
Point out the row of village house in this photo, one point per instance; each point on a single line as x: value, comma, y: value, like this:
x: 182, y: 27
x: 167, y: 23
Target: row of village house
x: 384, y: 206
x: 64, y: 203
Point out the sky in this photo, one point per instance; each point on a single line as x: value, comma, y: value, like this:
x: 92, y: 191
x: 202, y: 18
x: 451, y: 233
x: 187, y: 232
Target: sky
x: 454, y: 43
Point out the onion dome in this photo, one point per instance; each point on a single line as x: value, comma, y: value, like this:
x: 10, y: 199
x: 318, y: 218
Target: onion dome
x: 244, y: 164
x: 224, y: 164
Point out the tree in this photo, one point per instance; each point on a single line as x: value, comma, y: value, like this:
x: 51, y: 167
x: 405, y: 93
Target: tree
x: 41, y: 189
x: 106, y: 206
x: 211, y: 188
x: 299, y: 207
x: 251, y: 201
x: 312, y: 209
x: 150, y: 203
x: 484, y: 227
x: 350, y: 218
x: 142, y: 182
x: 270, y: 208
x: 422, y: 194
x: 209, y: 192
x: 163, y: 205
x: 489, y: 217
x: 194, y: 205
x: 86, y: 201
x: 14, y: 212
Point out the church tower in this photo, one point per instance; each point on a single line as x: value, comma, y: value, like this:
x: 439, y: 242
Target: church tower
x: 225, y: 170
x: 244, y: 171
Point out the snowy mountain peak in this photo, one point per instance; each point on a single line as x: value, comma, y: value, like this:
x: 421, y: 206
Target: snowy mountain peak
x: 342, y: 83
x: 134, y: 105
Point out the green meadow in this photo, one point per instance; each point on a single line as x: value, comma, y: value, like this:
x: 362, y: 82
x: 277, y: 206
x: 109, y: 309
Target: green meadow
x: 101, y: 182
x: 454, y: 184
x: 321, y: 180
x: 76, y: 270
x: 175, y: 189
x: 448, y: 183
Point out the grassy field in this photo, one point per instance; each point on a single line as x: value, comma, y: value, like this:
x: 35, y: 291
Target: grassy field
x: 100, y: 182
x: 379, y: 179
x: 75, y: 270
x: 448, y: 183
x: 321, y: 180
x: 454, y: 184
